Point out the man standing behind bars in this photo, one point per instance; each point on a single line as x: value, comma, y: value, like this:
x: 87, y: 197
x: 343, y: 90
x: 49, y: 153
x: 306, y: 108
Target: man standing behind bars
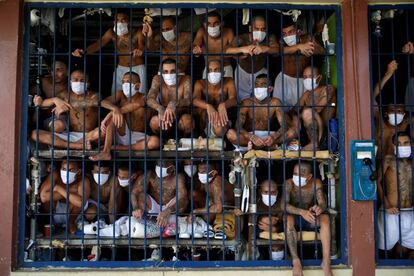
x: 253, y: 48
x: 297, y: 52
x: 130, y: 126
x: 68, y: 186
x: 166, y: 191
x: 169, y: 95
x: 396, y: 216
x: 213, y: 100
x: 255, y: 114
x: 215, y: 44
x: 173, y: 42
x: 125, y: 45
x: 306, y: 208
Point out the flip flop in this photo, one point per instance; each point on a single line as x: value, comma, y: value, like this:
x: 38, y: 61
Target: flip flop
x: 209, y: 234
x: 220, y: 235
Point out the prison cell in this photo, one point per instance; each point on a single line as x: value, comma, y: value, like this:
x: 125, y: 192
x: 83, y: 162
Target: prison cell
x: 233, y: 237
x: 392, y: 94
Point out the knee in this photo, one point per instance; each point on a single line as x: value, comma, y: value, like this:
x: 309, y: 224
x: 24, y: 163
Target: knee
x: 185, y: 123
x: 153, y: 142
x: 155, y: 124
x: 34, y: 135
x: 232, y: 136
x: 59, y: 126
x: 307, y: 115
x: 324, y: 220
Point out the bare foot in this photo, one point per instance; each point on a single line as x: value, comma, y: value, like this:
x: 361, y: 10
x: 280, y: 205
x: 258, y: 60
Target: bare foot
x: 309, y: 147
x: 297, y: 268
x: 326, y: 269
x: 101, y: 156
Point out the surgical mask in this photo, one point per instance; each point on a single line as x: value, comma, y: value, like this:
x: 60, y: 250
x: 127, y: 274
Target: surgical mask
x: 123, y: 182
x: 129, y: 89
x: 307, y: 84
x: 168, y: 35
x: 203, y: 177
x: 121, y: 28
x: 64, y: 176
x: 214, y: 77
x: 296, y: 180
x: 214, y: 31
x: 266, y: 201
x: 170, y: 79
x: 259, y: 36
x: 290, y: 40
x: 187, y: 169
x: 392, y: 117
x: 161, y: 171
x: 78, y: 87
x: 403, y: 151
x: 101, y: 178
x: 260, y: 93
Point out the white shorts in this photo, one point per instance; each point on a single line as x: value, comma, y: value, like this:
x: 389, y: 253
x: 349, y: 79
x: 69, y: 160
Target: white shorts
x: 245, y: 82
x: 120, y: 72
x: 136, y: 136
x: 156, y: 208
x: 392, y: 226
x: 73, y: 136
x: 262, y: 133
x: 293, y: 90
x: 228, y: 71
x: 59, y: 218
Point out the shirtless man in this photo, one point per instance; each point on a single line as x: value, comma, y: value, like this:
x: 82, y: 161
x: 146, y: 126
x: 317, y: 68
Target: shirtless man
x: 394, y: 117
x: 173, y: 42
x: 306, y: 206
x: 267, y: 204
x: 218, y: 36
x: 162, y: 98
x: 161, y: 201
x: 218, y: 100
x: 69, y: 177
x: 80, y: 103
x: 396, y: 216
x: 253, y: 47
x: 257, y: 109
x: 132, y: 126
x: 212, y: 180
x: 408, y: 49
x: 50, y: 86
x: 126, y: 44
x: 103, y: 194
x: 323, y: 99
x: 297, y: 51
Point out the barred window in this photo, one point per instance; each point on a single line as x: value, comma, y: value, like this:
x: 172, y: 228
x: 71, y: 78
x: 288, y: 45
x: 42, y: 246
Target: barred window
x: 183, y: 135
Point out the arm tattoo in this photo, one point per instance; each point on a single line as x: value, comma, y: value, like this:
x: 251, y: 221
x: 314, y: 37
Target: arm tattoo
x: 153, y: 94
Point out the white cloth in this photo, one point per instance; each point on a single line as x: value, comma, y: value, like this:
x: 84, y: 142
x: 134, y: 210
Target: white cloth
x: 228, y: 71
x: 245, y: 82
x: 165, y: 12
x: 136, y: 136
x: 120, y: 72
x: 156, y: 208
x: 73, y: 136
x: 262, y: 133
x: 293, y: 90
x: 392, y: 226
x: 59, y: 218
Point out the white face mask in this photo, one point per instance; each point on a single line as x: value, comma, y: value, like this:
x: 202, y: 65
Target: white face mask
x: 101, y: 179
x: 214, y: 77
x: 260, y: 93
x: 123, y: 182
x: 214, y: 31
x: 169, y: 35
x: 129, y: 89
x: 392, y: 117
x: 403, y: 151
x: 78, y: 87
x: 169, y: 79
x: 64, y: 177
x: 121, y: 28
x: 307, y: 84
x: 187, y: 170
x: 161, y: 171
x: 203, y: 177
x: 299, y: 181
x: 265, y: 199
x: 290, y: 40
x: 259, y: 36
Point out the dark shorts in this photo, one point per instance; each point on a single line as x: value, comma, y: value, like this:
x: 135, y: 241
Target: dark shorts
x: 302, y: 224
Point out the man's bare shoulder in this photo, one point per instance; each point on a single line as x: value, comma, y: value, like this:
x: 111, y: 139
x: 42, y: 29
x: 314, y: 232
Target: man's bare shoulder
x: 247, y: 102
